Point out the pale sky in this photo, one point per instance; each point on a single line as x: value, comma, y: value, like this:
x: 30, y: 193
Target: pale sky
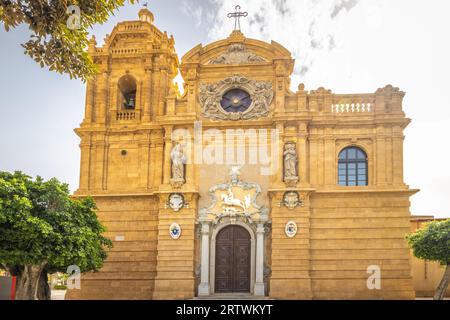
x: 348, y: 46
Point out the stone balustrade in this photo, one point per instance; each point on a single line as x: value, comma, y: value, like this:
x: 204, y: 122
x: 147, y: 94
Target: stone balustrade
x: 352, y: 108
x: 125, y: 115
x: 353, y: 104
x: 126, y: 51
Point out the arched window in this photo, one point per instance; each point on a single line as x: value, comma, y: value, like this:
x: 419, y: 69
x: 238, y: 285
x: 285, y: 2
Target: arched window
x: 352, y: 167
x: 127, y: 92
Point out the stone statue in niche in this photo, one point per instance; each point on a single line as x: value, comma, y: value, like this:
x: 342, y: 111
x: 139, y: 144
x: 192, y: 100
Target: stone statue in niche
x: 178, y: 166
x: 290, y: 164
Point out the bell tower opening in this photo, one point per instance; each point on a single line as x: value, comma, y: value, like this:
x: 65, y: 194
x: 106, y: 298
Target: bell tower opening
x: 127, y: 93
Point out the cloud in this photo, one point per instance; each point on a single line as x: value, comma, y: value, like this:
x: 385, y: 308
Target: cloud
x: 308, y: 28
x: 343, y: 5
x: 194, y: 10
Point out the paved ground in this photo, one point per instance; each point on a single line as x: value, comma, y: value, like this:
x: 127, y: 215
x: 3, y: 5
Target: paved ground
x: 236, y: 296
x: 58, y: 294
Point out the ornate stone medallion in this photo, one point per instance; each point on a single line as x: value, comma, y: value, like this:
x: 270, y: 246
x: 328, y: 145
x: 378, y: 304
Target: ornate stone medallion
x: 237, y: 53
x: 260, y: 94
x: 176, y: 201
x: 175, y: 231
x: 291, y: 229
x: 291, y: 200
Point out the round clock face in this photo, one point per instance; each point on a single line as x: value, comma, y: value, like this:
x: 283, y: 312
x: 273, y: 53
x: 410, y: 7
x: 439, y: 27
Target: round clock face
x: 236, y: 100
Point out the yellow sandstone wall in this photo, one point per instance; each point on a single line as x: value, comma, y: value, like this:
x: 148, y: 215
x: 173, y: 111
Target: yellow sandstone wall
x: 352, y: 231
x: 130, y: 270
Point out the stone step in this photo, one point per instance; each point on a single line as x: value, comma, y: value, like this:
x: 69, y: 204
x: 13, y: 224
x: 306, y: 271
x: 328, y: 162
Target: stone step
x: 232, y: 296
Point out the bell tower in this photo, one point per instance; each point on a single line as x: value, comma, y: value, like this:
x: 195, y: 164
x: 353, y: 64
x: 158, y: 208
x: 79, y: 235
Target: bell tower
x: 136, y: 68
x: 122, y: 152
x: 137, y: 65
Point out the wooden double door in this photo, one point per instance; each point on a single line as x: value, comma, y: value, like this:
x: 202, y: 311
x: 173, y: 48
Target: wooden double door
x: 232, y: 265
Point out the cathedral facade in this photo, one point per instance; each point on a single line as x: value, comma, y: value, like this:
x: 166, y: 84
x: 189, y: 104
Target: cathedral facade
x: 239, y: 186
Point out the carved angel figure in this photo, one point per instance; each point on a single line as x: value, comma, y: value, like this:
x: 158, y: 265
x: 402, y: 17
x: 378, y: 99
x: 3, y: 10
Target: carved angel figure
x: 209, y: 96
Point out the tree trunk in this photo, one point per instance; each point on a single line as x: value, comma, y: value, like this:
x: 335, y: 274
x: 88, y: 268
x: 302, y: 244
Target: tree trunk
x: 44, y: 292
x: 28, y: 281
x: 442, y: 288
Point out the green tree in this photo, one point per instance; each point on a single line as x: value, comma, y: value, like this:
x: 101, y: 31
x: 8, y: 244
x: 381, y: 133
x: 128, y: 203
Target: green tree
x: 43, y: 230
x: 433, y: 243
x: 52, y: 42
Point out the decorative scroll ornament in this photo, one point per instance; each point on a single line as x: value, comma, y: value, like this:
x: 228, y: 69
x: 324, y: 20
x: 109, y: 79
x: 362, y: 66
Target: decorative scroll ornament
x: 175, y: 231
x: 291, y: 229
x: 234, y: 201
x: 237, y: 53
x: 176, y: 202
x: 261, y: 93
x: 291, y: 200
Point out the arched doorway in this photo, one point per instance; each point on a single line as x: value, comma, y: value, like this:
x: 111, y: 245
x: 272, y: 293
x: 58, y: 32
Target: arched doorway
x: 233, y: 260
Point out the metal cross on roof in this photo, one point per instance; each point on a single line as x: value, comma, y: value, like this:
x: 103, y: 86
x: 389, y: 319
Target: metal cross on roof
x: 237, y: 15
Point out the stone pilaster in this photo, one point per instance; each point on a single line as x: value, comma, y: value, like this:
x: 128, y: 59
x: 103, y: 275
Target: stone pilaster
x: 175, y: 261
x: 146, y: 95
x: 204, y: 289
x: 90, y: 94
x: 259, y: 289
x: 302, y: 147
x: 290, y: 277
x: 167, y: 150
x: 101, y: 98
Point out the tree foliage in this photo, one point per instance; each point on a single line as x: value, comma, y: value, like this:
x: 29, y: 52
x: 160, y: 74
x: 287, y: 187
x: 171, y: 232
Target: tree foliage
x: 432, y: 242
x: 52, y: 43
x: 41, y: 225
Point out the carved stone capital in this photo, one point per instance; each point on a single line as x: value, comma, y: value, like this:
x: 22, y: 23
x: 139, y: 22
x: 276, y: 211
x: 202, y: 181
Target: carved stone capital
x: 177, y: 183
x: 291, y: 181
